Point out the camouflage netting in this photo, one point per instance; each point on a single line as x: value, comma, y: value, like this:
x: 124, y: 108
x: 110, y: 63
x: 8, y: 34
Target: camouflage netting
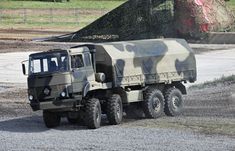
x: 135, y: 19
x: 145, y: 19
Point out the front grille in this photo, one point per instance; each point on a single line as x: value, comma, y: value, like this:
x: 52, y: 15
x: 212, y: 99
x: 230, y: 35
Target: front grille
x: 41, y: 95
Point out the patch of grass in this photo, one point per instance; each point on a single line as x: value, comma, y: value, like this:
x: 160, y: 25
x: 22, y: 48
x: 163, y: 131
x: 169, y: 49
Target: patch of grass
x: 43, y: 20
x: 204, y: 126
x: 74, y: 14
x: 89, y: 4
x: 219, y: 81
x: 211, y: 128
x: 231, y: 4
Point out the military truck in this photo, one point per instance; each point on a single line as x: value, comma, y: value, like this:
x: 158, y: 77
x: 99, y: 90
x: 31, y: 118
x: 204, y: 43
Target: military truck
x: 89, y: 80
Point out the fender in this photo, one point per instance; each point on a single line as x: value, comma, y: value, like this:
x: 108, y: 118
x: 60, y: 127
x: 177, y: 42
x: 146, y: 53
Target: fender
x: 86, y: 89
x: 182, y: 88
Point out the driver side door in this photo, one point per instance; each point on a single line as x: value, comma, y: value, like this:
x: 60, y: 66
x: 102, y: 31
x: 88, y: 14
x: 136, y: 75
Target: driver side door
x: 79, y: 77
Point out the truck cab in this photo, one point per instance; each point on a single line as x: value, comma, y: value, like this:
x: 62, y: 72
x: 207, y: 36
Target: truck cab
x: 56, y: 76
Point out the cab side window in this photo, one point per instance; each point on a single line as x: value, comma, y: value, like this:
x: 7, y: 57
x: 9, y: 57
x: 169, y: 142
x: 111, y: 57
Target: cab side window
x: 77, y: 61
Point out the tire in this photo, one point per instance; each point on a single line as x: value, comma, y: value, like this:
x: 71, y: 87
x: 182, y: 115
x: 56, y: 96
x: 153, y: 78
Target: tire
x: 51, y: 119
x: 114, y: 109
x: 93, y: 113
x: 173, y: 102
x: 153, y: 104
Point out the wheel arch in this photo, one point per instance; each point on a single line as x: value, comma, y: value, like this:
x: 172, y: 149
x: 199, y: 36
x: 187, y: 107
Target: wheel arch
x: 177, y: 85
x: 86, y: 89
x: 181, y: 87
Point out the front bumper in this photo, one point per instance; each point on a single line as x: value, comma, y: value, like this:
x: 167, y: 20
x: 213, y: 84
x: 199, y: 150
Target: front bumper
x: 55, y: 104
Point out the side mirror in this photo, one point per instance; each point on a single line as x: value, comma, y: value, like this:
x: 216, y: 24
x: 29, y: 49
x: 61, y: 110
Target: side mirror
x: 23, y: 67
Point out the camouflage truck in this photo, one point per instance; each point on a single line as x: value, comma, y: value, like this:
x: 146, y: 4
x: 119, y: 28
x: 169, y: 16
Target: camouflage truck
x: 93, y: 79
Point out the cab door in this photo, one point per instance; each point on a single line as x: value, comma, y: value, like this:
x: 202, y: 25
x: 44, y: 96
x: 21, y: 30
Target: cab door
x: 89, y: 68
x: 79, y: 78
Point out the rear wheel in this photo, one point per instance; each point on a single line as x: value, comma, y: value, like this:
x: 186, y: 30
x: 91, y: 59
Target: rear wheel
x: 114, y: 109
x: 93, y: 113
x: 51, y: 119
x: 173, y: 102
x: 153, y: 104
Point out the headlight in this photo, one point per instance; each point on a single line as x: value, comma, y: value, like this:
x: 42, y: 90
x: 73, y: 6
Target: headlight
x: 63, y: 94
x: 30, y: 98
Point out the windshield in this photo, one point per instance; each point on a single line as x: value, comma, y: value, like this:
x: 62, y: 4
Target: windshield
x: 46, y: 63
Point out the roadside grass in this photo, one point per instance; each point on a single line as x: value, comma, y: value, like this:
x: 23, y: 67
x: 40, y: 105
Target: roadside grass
x: 94, y: 4
x: 231, y: 4
x: 66, y: 21
x: 89, y: 4
x: 204, y: 126
x: 211, y: 128
x: 215, y: 82
x: 75, y: 14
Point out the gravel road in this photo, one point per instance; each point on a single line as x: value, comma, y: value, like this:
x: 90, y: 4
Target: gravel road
x: 205, y: 125
x: 29, y: 133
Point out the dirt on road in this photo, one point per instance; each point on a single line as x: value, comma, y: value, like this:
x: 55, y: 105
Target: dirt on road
x: 27, y: 34
x: 28, y: 46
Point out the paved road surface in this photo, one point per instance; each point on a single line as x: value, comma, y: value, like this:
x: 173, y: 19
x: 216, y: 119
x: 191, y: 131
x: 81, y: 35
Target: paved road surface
x: 215, y: 64
x: 10, y: 67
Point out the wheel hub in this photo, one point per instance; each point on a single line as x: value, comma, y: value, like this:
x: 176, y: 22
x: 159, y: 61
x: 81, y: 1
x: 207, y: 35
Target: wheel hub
x: 176, y: 102
x: 118, y: 110
x: 97, y: 116
x: 156, y: 104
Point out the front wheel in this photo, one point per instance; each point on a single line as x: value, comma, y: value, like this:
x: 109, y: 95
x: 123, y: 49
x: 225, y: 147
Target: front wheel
x: 173, y: 102
x: 114, y: 109
x: 93, y: 113
x: 51, y: 119
x: 153, y: 104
